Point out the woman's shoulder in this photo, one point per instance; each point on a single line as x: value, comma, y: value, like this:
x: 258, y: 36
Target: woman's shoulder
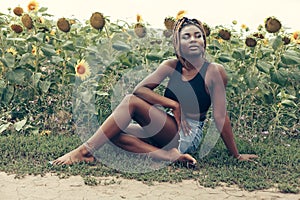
x: 216, y: 70
x: 172, y: 62
x: 216, y: 66
x: 167, y: 66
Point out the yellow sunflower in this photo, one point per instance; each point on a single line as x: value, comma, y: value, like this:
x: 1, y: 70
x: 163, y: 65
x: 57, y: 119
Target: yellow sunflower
x: 244, y: 26
x: 82, y: 69
x: 180, y: 14
x: 12, y: 51
x: 34, y: 50
x: 58, y: 51
x: 45, y: 133
x: 296, y: 35
x: 220, y: 40
x: 33, y: 5
x: 41, y: 20
x: 52, y: 32
x: 265, y: 42
x: 139, y: 18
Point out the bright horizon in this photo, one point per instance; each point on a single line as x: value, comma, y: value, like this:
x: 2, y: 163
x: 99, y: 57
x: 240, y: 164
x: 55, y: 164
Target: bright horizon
x: 214, y: 13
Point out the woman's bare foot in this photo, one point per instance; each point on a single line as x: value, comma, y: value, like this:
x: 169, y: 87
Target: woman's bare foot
x: 77, y: 155
x: 184, y: 158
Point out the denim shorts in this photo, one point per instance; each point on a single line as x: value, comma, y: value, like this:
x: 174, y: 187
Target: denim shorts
x: 190, y: 143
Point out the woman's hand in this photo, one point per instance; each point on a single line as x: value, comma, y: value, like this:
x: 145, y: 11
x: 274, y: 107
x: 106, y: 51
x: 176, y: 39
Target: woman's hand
x: 247, y: 157
x: 180, y: 120
x: 185, y: 126
x: 177, y: 114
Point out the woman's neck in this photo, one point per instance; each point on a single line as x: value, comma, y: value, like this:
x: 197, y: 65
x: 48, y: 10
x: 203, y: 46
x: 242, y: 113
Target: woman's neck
x: 191, y: 64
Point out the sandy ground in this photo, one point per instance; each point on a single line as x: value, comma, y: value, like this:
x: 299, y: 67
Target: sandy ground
x: 73, y: 188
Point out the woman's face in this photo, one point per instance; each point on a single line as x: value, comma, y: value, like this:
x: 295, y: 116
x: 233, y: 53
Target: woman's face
x: 191, y: 42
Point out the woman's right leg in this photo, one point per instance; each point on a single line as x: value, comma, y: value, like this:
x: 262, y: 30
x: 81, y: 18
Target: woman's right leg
x: 156, y: 124
x: 134, y: 141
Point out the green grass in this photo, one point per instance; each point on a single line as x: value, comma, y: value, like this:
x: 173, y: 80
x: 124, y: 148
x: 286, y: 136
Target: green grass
x: 278, y: 165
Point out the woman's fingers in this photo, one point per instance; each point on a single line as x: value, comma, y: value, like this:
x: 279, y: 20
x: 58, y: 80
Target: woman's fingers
x: 248, y: 157
x: 181, y: 122
x: 186, y: 128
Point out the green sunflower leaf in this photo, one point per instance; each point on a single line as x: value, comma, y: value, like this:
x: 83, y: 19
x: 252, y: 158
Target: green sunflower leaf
x: 277, y: 42
x: 48, y: 50
x: 7, y: 94
x: 263, y: 66
x: 225, y: 58
x: 121, y: 46
x: 288, y: 103
x: 43, y: 9
x: 68, y: 45
x: 44, y: 86
x: 8, y: 60
x: 239, y: 54
x: 290, y: 59
x: 278, y: 76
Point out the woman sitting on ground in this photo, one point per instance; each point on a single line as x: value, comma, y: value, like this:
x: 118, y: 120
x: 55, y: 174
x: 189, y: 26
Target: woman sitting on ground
x: 194, y: 85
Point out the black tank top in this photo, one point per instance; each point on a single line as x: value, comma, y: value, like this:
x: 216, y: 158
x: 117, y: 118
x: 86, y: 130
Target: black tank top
x: 191, y: 94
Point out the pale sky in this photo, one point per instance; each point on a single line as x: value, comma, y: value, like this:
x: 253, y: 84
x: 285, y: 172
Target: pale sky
x: 214, y: 12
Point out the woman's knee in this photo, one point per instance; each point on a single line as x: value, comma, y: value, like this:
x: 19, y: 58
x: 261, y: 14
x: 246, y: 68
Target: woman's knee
x: 133, y: 101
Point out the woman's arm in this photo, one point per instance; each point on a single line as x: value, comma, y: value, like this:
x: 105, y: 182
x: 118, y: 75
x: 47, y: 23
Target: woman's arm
x: 145, y: 88
x: 217, y: 81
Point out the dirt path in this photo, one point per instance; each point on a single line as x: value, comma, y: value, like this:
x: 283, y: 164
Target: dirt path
x: 73, y: 188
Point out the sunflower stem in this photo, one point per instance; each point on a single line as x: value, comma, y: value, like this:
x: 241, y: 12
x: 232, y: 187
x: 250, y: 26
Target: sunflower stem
x: 108, y: 36
x: 63, y: 74
x: 37, y: 59
x: 107, y: 33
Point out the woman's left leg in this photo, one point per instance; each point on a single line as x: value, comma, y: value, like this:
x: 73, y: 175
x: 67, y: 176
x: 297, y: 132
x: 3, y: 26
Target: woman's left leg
x: 156, y: 123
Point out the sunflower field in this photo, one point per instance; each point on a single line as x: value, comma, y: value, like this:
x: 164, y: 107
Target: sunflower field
x: 42, y: 60
x: 59, y: 76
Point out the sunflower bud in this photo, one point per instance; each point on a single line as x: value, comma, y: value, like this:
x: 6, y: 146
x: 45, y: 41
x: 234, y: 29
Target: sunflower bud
x: 72, y: 21
x: 167, y: 33
x: 18, y: 11
x: 63, y: 25
x: 260, y: 27
x: 16, y: 28
x: 27, y: 21
x: 140, y: 30
x: 97, y: 21
x: 206, y: 30
x: 286, y: 40
x: 224, y: 34
x: 259, y: 35
x: 250, y: 42
x: 169, y: 23
x: 272, y: 25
